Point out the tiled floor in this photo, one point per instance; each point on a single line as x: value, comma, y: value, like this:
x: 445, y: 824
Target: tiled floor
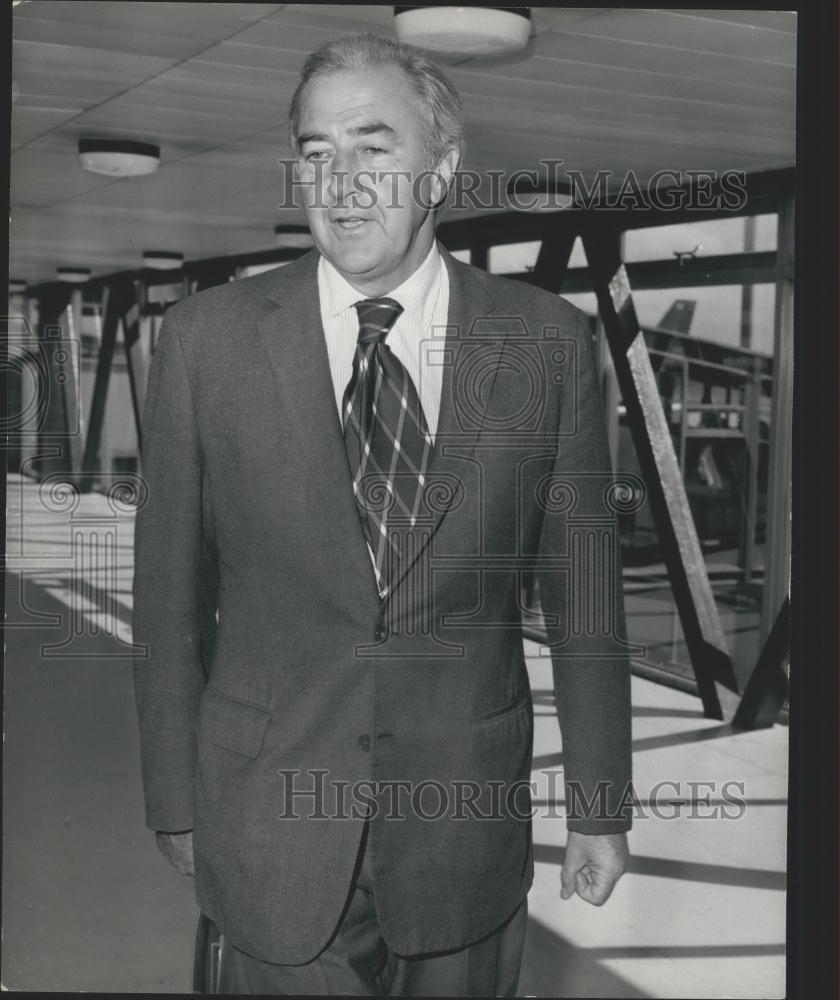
x: 88, y: 904
x: 701, y: 912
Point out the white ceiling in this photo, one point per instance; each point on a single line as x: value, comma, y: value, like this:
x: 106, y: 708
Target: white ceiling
x: 603, y: 88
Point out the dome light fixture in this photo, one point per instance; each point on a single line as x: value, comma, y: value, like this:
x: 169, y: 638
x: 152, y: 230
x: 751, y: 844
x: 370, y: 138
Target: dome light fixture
x: 468, y: 31
x: 163, y: 260
x: 294, y: 237
x: 73, y: 275
x: 118, y: 157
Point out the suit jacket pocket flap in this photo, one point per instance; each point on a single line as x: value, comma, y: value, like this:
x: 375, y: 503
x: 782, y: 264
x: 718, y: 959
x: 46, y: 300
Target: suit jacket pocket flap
x: 234, y: 725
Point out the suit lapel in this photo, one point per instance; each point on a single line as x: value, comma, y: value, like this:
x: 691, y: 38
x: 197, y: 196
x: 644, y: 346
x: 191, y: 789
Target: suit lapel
x: 293, y: 338
x: 471, y: 361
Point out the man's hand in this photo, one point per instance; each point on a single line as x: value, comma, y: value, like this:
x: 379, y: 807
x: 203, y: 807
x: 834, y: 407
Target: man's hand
x: 177, y: 848
x: 592, y: 866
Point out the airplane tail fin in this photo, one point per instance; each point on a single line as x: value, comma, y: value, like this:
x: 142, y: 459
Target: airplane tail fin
x: 678, y: 316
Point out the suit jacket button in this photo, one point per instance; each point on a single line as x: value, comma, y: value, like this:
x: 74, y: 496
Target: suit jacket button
x: 380, y: 633
x: 364, y: 742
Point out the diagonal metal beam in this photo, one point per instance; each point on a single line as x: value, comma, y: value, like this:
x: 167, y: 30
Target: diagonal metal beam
x: 119, y: 297
x: 71, y: 372
x: 137, y: 367
x: 683, y: 556
x: 768, y: 686
x: 553, y: 259
x: 53, y: 300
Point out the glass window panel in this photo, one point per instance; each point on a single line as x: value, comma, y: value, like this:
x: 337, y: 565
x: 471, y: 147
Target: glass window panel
x: 763, y: 318
x: 714, y: 237
x: 165, y: 294
x: 717, y: 406
x: 578, y: 255
x: 510, y: 258
x: 766, y: 231
x: 717, y: 312
x: 583, y: 300
x: 249, y: 270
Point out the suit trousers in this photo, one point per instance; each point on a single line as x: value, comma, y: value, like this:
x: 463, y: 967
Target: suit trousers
x: 358, y: 962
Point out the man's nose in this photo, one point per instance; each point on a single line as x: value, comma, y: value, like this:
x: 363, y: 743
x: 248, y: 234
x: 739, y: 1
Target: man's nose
x: 342, y: 179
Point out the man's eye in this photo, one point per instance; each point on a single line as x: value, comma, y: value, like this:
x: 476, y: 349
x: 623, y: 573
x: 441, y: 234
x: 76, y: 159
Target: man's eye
x: 316, y: 156
x: 374, y: 150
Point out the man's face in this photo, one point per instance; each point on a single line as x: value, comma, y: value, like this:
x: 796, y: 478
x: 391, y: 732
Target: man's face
x: 360, y: 145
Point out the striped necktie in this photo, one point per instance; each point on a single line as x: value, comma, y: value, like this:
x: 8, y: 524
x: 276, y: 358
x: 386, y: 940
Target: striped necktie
x: 386, y: 436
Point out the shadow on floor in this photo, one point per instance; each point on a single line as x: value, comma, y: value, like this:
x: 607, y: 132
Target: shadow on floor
x: 88, y: 902
x: 692, y: 871
x: 551, y: 967
x: 653, y: 742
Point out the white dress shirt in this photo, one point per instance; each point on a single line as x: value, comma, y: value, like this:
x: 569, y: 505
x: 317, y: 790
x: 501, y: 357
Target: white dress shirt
x: 416, y: 338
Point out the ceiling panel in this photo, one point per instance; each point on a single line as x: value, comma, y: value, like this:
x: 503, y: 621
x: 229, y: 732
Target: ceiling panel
x: 574, y: 120
x: 559, y: 18
x: 695, y: 33
x: 608, y: 53
x: 79, y: 76
x: 281, y: 32
x: 41, y: 178
x: 777, y: 20
x: 229, y: 79
x: 256, y: 154
x: 37, y: 121
x: 599, y: 88
x: 212, y: 215
x: 586, y: 100
x: 167, y: 94
x: 218, y: 87
x: 256, y: 58
x: 86, y: 241
x: 138, y: 40
x: 343, y: 17
x: 187, y: 20
x: 182, y: 184
x: 151, y: 122
x: 563, y: 73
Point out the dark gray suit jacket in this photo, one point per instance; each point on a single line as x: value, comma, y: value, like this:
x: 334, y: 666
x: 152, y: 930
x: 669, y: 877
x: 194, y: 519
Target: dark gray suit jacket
x: 309, y: 682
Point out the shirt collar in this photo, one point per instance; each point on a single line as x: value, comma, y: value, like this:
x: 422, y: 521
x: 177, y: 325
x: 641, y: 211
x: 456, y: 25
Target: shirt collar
x: 413, y: 294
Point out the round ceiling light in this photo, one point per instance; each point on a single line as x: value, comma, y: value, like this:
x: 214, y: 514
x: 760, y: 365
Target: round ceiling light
x: 163, y: 260
x: 470, y: 31
x: 294, y: 237
x: 118, y: 157
x: 73, y: 275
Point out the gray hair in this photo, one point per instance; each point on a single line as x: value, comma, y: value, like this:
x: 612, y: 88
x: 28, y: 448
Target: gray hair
x: 440, y: 102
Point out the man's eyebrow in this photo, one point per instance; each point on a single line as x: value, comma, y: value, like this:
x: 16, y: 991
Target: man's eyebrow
x: 369, y: 128
x: 373, y: 128
x: 311, y: 137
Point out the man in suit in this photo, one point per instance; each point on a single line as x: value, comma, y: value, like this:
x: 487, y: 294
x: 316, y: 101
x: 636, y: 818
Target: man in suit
x: 351, y: 463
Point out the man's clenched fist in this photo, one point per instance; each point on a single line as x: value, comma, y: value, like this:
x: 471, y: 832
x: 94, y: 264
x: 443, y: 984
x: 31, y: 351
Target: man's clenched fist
x: 177, y: 848
x: 592, y: 865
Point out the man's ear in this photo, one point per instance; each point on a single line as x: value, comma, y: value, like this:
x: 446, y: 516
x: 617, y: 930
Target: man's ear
x: 442, y: 179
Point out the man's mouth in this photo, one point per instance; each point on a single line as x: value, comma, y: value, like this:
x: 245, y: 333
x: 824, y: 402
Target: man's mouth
x: 351, y: 221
